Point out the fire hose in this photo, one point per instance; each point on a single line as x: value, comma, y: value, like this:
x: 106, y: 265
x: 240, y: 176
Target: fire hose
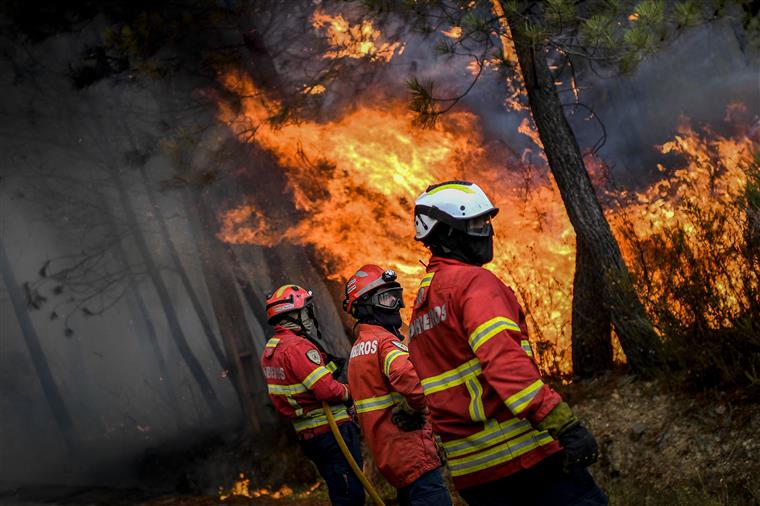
x: 350, y: 458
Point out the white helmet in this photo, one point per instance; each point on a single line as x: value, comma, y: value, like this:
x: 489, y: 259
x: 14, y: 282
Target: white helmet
x: 454, y: 203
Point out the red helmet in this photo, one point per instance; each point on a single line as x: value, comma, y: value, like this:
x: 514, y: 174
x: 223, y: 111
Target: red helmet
x: 285, y: 299
x: 373, y: 284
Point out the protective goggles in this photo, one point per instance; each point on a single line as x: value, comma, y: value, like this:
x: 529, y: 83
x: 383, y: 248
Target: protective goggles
x: 479, y: 227
x: 389, y: 298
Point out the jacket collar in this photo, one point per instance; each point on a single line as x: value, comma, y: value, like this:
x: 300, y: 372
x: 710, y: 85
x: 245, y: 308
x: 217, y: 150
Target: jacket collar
x: 436, y: 263
x: 280, y: 331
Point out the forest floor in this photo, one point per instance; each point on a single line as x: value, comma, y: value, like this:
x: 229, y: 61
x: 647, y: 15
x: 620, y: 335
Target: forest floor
x: 658, y: 447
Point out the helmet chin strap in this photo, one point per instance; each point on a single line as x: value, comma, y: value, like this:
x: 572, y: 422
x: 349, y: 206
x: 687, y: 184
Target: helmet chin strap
x: 299, y: 325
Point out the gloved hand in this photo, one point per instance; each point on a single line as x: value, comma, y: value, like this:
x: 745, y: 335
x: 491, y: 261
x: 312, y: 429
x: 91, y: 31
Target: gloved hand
x: 579, y: 444
x: 352, y: 413
x: 339, y: 363
x: 580, y: 447
x: 407, y: 418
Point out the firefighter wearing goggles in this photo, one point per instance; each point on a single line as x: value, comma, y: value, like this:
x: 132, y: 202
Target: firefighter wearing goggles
x: 300, y: 375
x: 389, y: 400
x: 508, y: 437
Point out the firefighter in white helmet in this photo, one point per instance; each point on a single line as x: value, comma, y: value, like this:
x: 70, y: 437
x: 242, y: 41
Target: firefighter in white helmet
x: 509, y: 438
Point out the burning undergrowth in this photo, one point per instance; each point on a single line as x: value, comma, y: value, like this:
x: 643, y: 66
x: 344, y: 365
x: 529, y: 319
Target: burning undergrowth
x: 354, y: 180
x: 692, y: 239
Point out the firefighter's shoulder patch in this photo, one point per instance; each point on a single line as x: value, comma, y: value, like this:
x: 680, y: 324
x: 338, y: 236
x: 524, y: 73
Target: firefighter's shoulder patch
x: 314, y: 356
x: 401, y: 346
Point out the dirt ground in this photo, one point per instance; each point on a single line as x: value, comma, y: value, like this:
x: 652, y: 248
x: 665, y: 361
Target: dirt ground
x: 658, y: 447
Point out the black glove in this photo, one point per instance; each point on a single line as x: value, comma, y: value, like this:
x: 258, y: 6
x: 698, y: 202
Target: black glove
x: 406, y: 418
x: 339, y: 363
x: 580, y: 447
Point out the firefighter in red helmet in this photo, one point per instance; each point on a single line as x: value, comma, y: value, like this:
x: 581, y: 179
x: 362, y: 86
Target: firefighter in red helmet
x: 387, y: 393
x: 299, y: 377
x: 508, y: 437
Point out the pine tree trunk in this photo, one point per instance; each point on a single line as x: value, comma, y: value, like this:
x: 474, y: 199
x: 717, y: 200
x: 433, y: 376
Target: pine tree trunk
x: 175, y: 329
x: 230, y: 314
x: 184, y: 278
x: 39, y: 360
x: 592, y: 347
x: 637, y: 336
x: 140, y: 312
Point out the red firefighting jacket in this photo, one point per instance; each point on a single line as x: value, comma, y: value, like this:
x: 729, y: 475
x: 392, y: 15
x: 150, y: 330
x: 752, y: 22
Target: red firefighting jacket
x: 298, y: 380
x: 380, y: 375
x: 468, y: 343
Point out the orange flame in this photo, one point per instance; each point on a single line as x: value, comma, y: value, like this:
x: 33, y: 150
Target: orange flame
x: 356, y: 179
x: 353, y: 41
x: 242, y: 488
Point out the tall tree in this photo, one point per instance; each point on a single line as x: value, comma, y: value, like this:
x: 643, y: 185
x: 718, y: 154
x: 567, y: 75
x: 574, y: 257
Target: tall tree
x: 180, y: 270
x: 593, y: 34
x: 175, y: 329
x: 592, y: 231
x: 37, y: 354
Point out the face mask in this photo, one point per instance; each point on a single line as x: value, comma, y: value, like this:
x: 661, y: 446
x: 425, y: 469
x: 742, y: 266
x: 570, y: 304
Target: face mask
x: 478, y: 250
x: 390, y: 318
x: 461, y: 246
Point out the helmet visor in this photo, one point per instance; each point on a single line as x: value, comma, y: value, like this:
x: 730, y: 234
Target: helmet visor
x: 479, y: 227
x: 389, y: 298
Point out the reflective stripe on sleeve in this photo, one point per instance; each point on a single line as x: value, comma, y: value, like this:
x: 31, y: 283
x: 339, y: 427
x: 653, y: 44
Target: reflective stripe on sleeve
x: 298, y: 388
x: 498, y: 454
x: 451, y: 378
x: 487, y: 330
x: 389, y: 358
x: 272, y: 343
x: 331, y: 366
x: 377, y: 403
x: 315, y: 375
x: 519, y: 401
x: 525, y: 345
x: 427, y: 279
x: 477, y: 412
x: 317, y: 418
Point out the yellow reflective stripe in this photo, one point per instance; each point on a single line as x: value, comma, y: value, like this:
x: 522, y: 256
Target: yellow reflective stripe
x: 526, y: 347
x: 377, y: 403
x: 298, y: 388
x: 487, y: 330
x: 451, y: 186
x: 451, y: 378
x: 281, y: 289
x: 498, y: 454
x: 427, y: 279
x: 317, y: 418
x: 315, y: 375
x: 518, y: 402
x: 272, y: 343
x: 477, y: 412
x: 494, y: 433
x: 331, y: 366
x: 294, y: 404
x: 389, y: 358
